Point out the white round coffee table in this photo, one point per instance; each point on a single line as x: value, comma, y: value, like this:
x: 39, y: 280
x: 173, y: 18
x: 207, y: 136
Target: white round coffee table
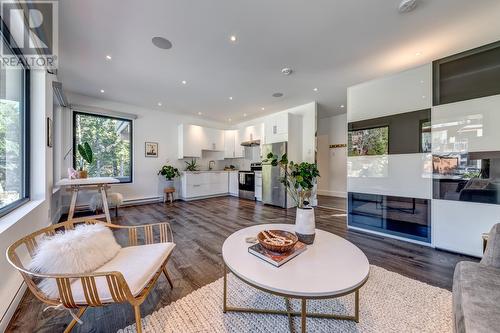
x: 329, y: 268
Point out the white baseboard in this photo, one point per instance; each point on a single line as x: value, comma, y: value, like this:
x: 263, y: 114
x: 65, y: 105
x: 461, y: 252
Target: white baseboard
x: 7, y: 316
x: 126, y: 203
x: 339, y: 194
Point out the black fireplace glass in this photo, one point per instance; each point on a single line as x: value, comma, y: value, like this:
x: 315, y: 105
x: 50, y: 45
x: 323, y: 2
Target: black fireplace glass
x: 398, y: 216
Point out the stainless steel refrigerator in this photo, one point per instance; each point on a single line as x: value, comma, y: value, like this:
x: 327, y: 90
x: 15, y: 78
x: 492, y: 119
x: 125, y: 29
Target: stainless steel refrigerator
x: 273, y: 191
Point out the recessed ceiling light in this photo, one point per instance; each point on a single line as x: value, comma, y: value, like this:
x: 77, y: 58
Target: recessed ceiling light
x: 184, y: 82
x: 315, y: 89
x: 229, y: 119
x: 108, y: 57
x: 278, y: 94
x: 231, y: 98
x: 342, y: 106
x: 418, y: 54
x: 159, y: 104
x: 102, y: 91
x: 232, y: 38
x: 244, y: 114
x: 262, y: 108
x: 199, y: 113
x: 161, y: 43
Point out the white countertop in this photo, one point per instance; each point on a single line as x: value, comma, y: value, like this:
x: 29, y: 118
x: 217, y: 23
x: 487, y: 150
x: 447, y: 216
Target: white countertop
x: 206, y: 171
x: 331, y: 266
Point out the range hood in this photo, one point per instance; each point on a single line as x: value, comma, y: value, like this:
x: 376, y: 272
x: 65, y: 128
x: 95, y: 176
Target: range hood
x: 251, y: 143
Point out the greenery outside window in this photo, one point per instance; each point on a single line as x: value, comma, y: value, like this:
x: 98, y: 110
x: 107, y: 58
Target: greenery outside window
x: 14, y: 130
x: 111, y: 142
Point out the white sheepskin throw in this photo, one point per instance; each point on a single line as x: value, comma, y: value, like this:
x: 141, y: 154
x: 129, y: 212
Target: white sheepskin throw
x: 77, y: 251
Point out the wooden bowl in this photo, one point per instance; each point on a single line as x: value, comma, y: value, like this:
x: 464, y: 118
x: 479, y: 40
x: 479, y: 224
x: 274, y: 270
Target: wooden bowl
x: 278, y: 248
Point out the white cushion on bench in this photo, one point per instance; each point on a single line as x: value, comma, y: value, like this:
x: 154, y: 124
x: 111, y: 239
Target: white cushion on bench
x: 138, y: 264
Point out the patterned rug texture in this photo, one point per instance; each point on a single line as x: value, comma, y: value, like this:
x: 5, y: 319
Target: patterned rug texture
x: 389, y: 302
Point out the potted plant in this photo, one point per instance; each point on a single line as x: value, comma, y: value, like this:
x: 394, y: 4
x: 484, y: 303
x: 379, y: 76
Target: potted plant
x: 87, y: 155
x: 299, y: 180
x: 169, y: 172
x: 191, y: 166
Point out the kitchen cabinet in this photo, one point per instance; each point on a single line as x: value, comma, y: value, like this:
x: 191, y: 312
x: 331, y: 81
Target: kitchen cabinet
x: 214, y: 139
x: 276, y: 128
x: 258, y: 185
x: 229, y: 143
x: 251, y: 133
x: 190, y: 140
x: 204, y: 184
x: 233, y: 183
x: 193, y: 139
x: 239, y: 150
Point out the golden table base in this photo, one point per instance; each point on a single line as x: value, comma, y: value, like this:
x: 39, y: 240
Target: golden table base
x: 303, y: 313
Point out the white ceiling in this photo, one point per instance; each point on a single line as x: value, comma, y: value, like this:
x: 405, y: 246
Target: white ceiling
x: 330, y: 44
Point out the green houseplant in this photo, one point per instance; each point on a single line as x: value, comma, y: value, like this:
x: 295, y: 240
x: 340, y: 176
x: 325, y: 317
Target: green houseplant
x: 169, y: 172
x: 191, y: 166
x: 87, y: 156
x: 299, y: 180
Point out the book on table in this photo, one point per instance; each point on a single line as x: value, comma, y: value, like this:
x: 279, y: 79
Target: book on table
x: 274, y: 258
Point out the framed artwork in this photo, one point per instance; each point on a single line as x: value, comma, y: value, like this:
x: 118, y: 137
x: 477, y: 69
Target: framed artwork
x: 49, y: 132
x: 151, y: 149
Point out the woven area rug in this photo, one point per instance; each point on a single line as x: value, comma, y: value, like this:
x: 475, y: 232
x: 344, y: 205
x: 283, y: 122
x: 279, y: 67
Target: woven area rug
x: 389, y: 302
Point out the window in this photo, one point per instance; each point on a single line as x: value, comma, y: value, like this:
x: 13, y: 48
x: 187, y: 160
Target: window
x: 14, y: 120
x: 372, y: 141
x: 111, y: 142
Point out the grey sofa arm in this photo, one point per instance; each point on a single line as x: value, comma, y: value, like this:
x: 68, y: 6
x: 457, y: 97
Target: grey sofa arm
x: 491, y: 256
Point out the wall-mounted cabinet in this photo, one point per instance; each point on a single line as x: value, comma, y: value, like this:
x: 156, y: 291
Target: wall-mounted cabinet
x: 232, y: 145
x: 467, y: 75
x: 193, y: 139
x: 250, y: 133
x: 276, y: 127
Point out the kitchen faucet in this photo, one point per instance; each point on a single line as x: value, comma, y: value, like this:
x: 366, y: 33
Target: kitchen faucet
x: 210, y: 163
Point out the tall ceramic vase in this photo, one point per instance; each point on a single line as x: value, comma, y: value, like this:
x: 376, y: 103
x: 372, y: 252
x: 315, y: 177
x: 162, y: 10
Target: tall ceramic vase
x: 305, y: 225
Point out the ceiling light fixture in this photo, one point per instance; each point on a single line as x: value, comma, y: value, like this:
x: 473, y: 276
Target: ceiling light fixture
x: 418, y: 54
x: 230, y: 98
x: 315, y: 89
x: 278, y: 94
x: 286, y: 71
x: 161, y: 43
x: 244, y: 114
x: 184, y: 82
x: 232, y: 38
x: 159, y: 104
x: 229, y: 119
x: 102, y: 91
x: 199, y: 113
x: 108, y: 57
x: 262, y: 108
x: 406, y: 6
x: 342, y: 106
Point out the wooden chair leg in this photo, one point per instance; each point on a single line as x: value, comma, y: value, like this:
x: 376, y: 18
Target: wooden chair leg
x: 138, y: 324
x: 168, y: 278
x: 80, y: 313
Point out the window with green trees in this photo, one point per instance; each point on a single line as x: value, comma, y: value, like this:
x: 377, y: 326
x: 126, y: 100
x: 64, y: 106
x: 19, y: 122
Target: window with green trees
x: 111, y: 142
x: 14, y: 139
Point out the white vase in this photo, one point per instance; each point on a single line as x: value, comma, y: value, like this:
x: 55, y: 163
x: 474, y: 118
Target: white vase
x: 169, y: 183
x: 305, y: 225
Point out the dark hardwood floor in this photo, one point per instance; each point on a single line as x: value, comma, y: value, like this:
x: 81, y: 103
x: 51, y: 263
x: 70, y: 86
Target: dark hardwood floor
x: 200, y: 228
x: 325, y: 201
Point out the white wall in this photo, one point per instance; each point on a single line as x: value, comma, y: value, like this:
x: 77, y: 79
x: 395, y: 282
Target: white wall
x: 36, y: 213
x: 150, y: 125
x: 332, y: 162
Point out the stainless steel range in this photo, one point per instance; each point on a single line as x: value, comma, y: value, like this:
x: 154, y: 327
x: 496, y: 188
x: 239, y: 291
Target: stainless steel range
x: 247, y: 182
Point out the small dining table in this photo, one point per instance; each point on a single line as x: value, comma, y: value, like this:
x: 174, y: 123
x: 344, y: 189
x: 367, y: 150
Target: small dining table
x: 101, y: 184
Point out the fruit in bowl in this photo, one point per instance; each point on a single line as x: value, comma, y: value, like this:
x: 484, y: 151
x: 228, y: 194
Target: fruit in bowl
x: 277, y: 240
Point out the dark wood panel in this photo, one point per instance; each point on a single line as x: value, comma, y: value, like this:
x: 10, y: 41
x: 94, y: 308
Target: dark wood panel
x: 200, y: 228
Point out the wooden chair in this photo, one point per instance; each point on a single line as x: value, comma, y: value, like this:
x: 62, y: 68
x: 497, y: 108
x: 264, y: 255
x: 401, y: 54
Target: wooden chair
x: 97, y: 288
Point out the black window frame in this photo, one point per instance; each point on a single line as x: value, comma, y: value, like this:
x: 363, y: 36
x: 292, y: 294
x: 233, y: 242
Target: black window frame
x: 131, y: 122
x: 25, y: 197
